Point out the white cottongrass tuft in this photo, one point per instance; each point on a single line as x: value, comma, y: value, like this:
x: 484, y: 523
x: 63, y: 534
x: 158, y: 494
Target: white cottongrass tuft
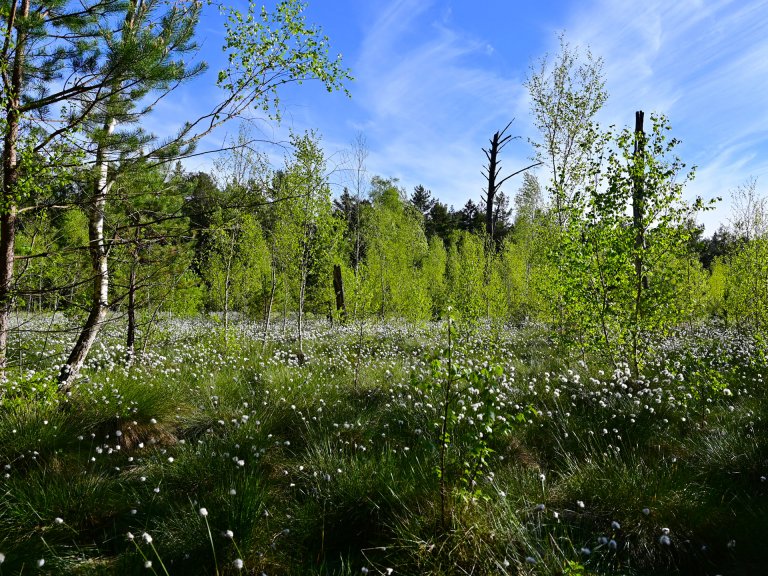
x: 203, y: 512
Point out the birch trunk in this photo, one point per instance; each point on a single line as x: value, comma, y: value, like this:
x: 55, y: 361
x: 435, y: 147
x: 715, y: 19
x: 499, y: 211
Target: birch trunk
x: 99, y: 264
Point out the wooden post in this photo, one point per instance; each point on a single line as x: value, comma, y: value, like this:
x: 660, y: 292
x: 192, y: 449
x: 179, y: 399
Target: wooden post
x: 638, y: 215
x: 338, y: 288
x: 638, y: 200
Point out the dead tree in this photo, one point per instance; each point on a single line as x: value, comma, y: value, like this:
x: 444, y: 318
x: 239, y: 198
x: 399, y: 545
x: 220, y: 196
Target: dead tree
x: 491, y: 173
x: 638, y: 200
x: 638, y: 225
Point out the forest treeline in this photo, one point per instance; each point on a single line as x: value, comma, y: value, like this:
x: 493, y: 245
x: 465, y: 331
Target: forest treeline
x: 262, y: 243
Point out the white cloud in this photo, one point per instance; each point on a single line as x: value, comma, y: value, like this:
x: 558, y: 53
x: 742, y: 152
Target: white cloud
x: 703, y: 64
x: 432, y: 100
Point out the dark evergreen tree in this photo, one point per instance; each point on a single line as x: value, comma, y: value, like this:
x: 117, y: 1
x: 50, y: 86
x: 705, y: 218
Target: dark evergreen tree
x: 471, y: 218
x: 144, y: 56
x: 422, y: 199
x: 347, y: 208
x: 720, y: 244
x: 441, y: 221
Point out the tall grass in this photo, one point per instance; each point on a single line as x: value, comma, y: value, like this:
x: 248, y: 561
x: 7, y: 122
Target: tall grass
x: 330, y: 466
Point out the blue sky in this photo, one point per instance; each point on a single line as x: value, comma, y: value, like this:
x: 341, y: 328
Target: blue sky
x: 435, y: 78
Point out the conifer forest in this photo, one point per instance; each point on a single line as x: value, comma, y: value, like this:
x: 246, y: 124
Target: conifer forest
x: 288, y: 364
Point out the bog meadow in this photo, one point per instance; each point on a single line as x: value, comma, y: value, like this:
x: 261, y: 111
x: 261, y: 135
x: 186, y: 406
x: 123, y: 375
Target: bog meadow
x: 240, y: 370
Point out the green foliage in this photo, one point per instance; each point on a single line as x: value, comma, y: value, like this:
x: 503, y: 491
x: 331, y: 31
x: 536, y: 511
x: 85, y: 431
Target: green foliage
x: 237, y: 266
x: 466, y: 275
x: 745, y: 291
x: 41, y: 177
x: 150, y: 252
x: 433, y: 270
x: 306, y: 236
x: 188, y: 297
x: 269, y: 49
x: 463, y: 439
x: 566, y: 93
x: 396, y: 249
x: 620, y: 295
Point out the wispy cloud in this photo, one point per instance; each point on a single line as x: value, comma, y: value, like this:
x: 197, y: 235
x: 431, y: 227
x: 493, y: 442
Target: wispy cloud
x: 433, y: 83
x: 702, y: 63
x: 431, y: 99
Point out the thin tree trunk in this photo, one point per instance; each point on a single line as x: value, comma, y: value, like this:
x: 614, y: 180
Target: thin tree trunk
x: 226, y: 288
x: 302, y: 289
x: 100, y: 265
x: 131, y: 336
x: 149, y: 325
x: 130, y: 340
x: 10, y: 178
x: 270, y: 302
x: 285, y: 304
x: 383, y: 287
x: 638, y: 216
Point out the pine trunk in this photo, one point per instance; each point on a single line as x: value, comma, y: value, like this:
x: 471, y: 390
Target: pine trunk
x: 10, y: 180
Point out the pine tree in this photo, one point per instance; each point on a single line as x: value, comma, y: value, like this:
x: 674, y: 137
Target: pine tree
x: 146, y: 57
x: 50, y: 55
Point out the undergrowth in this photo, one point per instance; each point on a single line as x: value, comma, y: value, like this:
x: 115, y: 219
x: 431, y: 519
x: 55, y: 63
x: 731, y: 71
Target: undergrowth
x: 207, y: 456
